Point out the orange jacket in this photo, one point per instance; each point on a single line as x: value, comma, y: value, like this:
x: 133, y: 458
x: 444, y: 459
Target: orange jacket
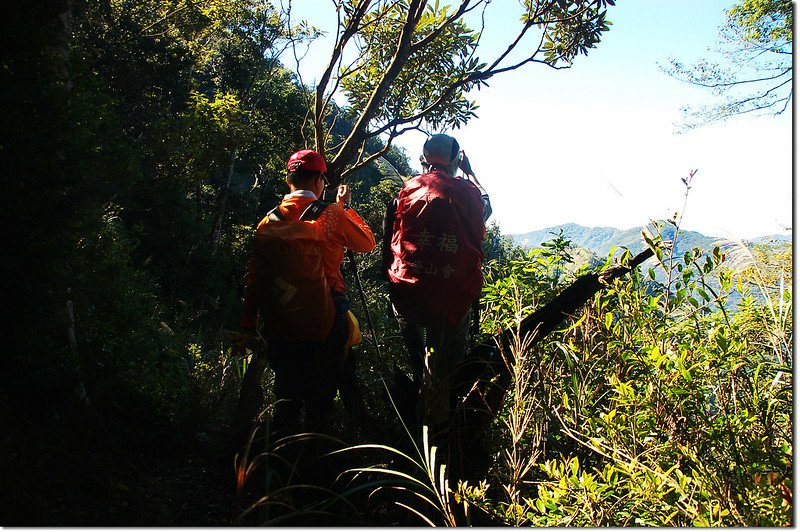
x: 342, y: 228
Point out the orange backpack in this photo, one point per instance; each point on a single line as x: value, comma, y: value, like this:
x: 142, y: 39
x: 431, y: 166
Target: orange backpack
x: 294, y: 298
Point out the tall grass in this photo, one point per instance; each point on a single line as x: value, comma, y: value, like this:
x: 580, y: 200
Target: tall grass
x: 418, y: 479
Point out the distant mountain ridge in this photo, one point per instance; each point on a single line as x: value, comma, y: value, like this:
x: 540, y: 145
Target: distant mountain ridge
x: 600, y: 240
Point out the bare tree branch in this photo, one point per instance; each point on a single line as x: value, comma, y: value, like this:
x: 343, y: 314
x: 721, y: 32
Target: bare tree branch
x: 744, y: 81
x: 402, y: 52
x: 320, y: 101
x: 361, y: 162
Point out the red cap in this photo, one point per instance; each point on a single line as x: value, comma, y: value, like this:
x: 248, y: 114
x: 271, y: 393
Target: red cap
x: 307, y: 160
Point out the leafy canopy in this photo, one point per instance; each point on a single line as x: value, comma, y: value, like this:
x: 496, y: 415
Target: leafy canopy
x: 416, y: 61
x: 756, y: 71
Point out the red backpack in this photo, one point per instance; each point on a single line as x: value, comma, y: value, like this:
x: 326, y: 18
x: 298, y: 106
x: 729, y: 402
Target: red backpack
x: 294, y: 298
x: 435, y: 273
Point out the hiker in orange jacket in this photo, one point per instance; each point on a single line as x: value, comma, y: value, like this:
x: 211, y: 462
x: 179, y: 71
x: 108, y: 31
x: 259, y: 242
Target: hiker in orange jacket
x: 307, y: 373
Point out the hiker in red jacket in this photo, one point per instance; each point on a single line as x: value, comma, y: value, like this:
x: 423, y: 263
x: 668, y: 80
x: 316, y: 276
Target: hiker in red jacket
x: 432, y: 255
x: 307, y: 361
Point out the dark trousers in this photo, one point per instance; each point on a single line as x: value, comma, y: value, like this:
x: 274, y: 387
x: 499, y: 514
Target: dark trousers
x: 307, y: 376
x: 434, y: 354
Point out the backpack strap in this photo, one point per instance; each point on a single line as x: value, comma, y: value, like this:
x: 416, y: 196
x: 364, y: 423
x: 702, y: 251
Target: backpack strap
x: 275, y: 215
x: 312, y: 212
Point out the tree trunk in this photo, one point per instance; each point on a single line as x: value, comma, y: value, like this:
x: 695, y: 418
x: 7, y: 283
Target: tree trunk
x: 59, y: 44
x: 352, y: 144
x: 222, y: 201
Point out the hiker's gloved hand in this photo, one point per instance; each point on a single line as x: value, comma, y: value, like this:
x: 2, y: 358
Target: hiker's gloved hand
x: 343, y: 196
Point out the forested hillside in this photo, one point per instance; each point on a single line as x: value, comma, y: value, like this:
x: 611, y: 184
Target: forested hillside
x: 591, y: 245
x: 600, y: 240
x: 140, y: 144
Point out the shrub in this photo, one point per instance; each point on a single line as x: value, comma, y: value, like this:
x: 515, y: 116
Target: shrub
x: 656, y: 406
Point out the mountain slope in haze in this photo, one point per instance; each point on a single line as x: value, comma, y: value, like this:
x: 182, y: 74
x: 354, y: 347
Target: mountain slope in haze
x: 600, y: 240
x: 595, y: 243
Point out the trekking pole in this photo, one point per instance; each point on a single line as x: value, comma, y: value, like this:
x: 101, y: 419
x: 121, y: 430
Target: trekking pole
x: 354, y: 267
x: 329, y: 195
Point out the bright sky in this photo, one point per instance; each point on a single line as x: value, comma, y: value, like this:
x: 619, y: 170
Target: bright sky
x: 597, y: 144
